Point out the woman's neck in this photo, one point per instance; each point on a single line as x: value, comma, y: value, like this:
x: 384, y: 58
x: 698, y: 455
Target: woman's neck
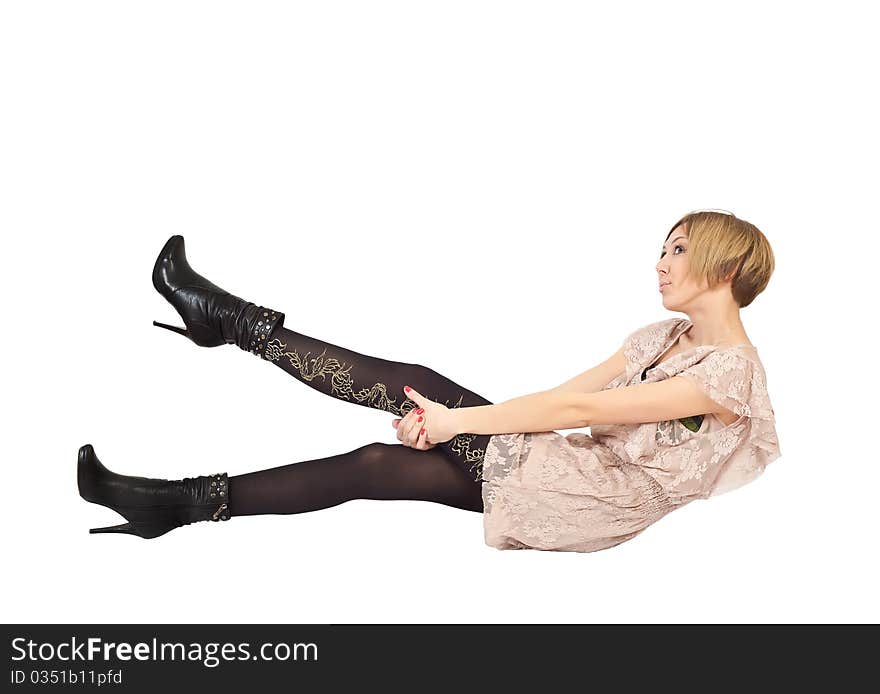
x: 715, y: 329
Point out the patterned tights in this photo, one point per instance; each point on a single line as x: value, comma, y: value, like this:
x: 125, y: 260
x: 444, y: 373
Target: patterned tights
x: 449, y: 474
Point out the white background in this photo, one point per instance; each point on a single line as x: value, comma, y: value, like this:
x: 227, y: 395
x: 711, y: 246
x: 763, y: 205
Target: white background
x: 480, y: 187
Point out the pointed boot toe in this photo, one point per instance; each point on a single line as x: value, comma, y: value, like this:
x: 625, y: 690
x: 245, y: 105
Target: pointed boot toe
x: 212, y: 315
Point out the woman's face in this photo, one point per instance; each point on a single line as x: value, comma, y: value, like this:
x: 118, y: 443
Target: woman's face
x: 676, y: 286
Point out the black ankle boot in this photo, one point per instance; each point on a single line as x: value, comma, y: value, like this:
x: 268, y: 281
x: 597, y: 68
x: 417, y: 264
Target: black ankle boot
x: 152, y: 507
x: 212, y: 315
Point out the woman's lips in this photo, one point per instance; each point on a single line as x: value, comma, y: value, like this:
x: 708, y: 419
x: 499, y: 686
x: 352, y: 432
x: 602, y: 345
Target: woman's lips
x: 663, y: 286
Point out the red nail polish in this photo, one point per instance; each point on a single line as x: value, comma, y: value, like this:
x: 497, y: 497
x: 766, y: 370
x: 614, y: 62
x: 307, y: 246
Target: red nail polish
x: 419, y: 411
x: 422, y: 431
x: 419, y: 419
x: 407, y: 388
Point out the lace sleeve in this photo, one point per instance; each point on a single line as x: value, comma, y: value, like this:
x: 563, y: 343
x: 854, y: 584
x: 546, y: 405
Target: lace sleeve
x: 738, y: 383
x: 728, y: 378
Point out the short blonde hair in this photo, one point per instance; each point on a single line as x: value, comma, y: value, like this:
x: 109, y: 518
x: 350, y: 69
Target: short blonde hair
x: 720, y: 244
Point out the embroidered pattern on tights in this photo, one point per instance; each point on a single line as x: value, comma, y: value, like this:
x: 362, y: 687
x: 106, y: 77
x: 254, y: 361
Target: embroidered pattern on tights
x: 342, y: 386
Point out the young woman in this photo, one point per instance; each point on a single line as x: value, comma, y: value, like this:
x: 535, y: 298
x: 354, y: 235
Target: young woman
x: 680, y: 412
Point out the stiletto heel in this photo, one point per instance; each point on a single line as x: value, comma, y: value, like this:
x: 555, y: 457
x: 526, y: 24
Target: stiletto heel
x: 123, y: 528
x: 212, y: 315
x: 182, y: 331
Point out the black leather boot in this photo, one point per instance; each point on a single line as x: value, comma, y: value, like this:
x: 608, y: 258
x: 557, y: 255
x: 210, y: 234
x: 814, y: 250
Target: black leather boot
x: 152, y: 507
x: 212, y: 315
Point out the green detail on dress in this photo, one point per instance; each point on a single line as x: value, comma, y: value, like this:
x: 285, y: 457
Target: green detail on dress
x: 376, y: 396
x: 670, y: 432
x: 693, y: 422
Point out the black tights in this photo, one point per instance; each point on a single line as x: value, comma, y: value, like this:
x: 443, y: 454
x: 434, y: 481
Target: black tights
x: 374, y: 471
x: 449, y: 474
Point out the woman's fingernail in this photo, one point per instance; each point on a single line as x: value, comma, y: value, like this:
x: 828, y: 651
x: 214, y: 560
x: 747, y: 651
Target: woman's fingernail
x: 419, y: 419
x: 422, y: 431
x: 419, y: 411
x: 407, y: 388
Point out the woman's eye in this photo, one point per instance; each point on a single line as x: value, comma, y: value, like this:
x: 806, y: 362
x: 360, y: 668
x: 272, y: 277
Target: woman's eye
x: 662, y: 253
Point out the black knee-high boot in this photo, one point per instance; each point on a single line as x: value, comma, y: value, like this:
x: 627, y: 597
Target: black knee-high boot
x: 214, y: 317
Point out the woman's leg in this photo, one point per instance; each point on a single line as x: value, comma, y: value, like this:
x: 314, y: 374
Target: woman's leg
x: 213, y: 317
x: 374, y: 471
x: 377, y: 383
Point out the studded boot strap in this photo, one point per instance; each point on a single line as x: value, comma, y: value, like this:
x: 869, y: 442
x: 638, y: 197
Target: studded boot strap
x: 218, y: 492
x: 258, y: 323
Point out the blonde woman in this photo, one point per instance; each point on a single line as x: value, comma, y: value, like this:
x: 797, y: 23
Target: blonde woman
x: 680, y: 412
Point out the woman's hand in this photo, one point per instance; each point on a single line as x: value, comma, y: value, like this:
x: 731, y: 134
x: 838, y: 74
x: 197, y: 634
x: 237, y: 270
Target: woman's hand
x: 411, y: 430
x: 439, y: 420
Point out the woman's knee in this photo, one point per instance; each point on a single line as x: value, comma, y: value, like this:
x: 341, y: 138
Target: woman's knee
x: 372, y: 452
x: 379, y: 453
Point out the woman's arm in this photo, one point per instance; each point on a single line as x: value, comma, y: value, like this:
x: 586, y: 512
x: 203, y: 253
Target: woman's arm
x: 561, y: 407
x: 542, y: 411
x: 593, y: 380
x: 671, y: 398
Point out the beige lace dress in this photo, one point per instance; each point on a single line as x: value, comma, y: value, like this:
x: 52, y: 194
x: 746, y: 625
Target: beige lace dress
x: 582, y: 493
